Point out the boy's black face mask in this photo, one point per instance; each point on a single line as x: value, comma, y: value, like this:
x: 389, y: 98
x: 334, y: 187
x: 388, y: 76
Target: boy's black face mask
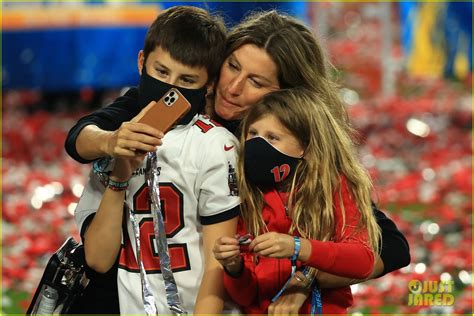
x: 151, y: 89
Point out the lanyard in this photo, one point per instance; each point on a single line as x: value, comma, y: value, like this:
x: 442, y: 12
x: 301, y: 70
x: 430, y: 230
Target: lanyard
x: 149, y: 303
x: 171, y: 289
x: 293, y: 268
x: 285, y: 286
x: 316, y: 302
x: 147, y: 296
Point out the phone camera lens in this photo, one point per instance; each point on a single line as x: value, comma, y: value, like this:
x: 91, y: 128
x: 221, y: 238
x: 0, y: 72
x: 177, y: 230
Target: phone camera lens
x: 172, y: 94
x: 167, y: 99
x: 172, y: 100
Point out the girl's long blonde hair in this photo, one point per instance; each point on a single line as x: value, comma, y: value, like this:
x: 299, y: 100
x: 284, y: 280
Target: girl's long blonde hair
x: 329, y: 154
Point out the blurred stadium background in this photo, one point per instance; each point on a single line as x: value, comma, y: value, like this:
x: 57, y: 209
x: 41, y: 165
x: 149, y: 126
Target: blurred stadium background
x: 406, y: 69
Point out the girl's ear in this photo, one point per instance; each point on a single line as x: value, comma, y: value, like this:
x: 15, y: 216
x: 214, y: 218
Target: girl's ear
x: 304, y: 153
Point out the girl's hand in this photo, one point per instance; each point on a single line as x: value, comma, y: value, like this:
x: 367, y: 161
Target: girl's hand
x: 227, y: 251
x: 273, y: 245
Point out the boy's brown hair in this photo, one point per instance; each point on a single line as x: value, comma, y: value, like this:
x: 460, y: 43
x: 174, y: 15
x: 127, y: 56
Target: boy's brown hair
x: 191, y: 35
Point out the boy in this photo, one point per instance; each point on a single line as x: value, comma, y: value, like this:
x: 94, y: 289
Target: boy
x: 183, y: 48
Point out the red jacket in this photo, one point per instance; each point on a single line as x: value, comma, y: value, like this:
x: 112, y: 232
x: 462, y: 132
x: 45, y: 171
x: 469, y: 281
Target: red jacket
x: 261, y: 281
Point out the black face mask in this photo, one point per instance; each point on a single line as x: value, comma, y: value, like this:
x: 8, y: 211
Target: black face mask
x: 151, y: 89
x: 266, y: 166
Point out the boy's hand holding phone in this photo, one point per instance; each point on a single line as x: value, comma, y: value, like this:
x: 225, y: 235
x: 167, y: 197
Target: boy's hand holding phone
x: 145, y: 131
x: 133, y: 138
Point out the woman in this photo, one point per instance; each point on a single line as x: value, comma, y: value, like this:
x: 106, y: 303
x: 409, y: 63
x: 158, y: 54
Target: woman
x: 266, y: 52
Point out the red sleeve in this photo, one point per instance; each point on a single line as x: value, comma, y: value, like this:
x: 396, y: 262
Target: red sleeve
x: 243, y: 289
x: 349, y: 255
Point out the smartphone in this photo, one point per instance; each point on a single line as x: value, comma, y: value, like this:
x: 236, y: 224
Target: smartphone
x: 166, y: 111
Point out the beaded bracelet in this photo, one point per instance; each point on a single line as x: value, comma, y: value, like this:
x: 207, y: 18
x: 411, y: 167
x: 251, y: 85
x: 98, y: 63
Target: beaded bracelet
x: 117, y: 186
x: 306, y: 276
x: 302, y: 279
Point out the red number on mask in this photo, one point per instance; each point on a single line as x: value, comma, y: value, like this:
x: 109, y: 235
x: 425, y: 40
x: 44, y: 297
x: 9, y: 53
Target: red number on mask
x: 280, y: 173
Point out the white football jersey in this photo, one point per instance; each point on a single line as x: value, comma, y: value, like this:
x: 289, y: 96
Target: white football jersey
x: 197, y: 186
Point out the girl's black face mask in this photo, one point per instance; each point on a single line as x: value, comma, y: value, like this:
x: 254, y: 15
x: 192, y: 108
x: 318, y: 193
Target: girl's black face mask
x: 265, y: 166
x: 151, y: 89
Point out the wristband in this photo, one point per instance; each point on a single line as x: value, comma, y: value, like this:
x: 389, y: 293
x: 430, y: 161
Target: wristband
x: 293, y: 268
x: 117, y: 186
x: 296, y: 253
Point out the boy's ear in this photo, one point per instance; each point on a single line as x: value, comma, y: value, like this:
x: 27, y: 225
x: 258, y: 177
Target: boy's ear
x: 140, y: 61
x: 210, y: 88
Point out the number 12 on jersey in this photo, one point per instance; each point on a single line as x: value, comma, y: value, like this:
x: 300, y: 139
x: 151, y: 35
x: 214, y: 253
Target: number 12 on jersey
x: 172, y: 210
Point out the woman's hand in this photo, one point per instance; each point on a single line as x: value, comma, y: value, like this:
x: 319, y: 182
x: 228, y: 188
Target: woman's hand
x: 227, y: 251
x: 290, y: 302
x: 273, y: 245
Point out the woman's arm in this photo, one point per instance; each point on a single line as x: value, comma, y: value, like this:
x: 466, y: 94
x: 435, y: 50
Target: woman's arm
x: 210, y: 299
x: 395, y: 250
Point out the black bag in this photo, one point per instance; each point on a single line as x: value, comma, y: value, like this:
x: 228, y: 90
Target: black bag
x: 63, y: 281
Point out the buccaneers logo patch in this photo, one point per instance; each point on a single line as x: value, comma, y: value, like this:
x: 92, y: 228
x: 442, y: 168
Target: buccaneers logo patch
x: 232, y: 180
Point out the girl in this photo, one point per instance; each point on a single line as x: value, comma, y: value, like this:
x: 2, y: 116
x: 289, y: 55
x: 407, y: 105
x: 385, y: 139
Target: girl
x: 304, y: 195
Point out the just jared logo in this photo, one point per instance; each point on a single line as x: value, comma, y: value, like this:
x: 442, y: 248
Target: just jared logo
x: 430, y: 293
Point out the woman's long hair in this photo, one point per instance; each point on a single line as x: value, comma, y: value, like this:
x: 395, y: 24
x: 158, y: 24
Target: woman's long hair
x: 329, y: 156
